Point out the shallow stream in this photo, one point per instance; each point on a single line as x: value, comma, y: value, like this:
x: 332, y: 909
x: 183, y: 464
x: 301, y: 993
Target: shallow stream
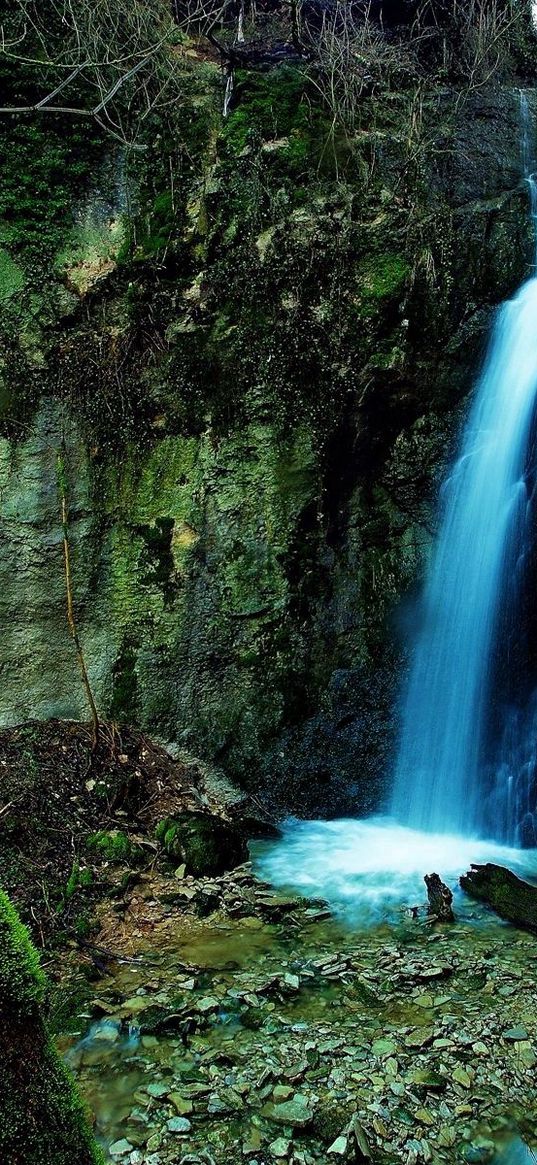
x: 261, y: 1038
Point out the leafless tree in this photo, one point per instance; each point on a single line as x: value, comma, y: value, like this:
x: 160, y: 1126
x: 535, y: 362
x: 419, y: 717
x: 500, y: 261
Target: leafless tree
x: 354, y: 57
x: 118, y: 61
x: 114, y: 61
x: 484, y: 30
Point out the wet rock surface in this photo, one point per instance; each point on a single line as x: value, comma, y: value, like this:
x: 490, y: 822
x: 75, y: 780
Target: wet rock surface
x: 239, y: 1024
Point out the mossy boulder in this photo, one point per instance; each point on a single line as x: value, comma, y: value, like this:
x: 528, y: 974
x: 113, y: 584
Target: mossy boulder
x: 205, y: 845
x: 331, y: 1117
x: 42, y: 1120
x: 113, y: 845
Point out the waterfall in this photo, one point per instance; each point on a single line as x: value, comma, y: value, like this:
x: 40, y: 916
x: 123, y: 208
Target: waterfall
x: 439, y: 771
x: 466, y: 771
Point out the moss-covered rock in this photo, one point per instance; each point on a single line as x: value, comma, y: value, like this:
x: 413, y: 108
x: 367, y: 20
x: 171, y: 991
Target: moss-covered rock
x: 113, y: 845
x: 204, y: 844
x: 42, y: 1120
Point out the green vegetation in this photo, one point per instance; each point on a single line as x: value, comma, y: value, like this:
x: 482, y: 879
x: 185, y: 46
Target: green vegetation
x: 204, y: 844
x: 381, y: 278
x: 123, y: 705
x: 44, y: 171
x: 383, y: 275
x: 43, y: 1122
x: 22, y: 982
x: 11, y: 276
x: 271, y: 106
x: 112, y: 845
x: 78, y: 878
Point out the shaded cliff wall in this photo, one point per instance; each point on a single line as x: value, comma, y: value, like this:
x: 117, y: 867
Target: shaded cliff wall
x: 256, y: 376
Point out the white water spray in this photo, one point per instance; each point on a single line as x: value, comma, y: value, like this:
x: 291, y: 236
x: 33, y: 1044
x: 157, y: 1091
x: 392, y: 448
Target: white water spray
x: 366, y: 870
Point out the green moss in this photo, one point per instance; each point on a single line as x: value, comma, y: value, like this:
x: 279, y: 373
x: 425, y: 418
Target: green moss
x: 163, y: 178
x: 43, y: 170
x: 381, y: 277
x: 271, y: 105
x: 11, y: 276
x: 78, y: 878
x: 22, y: 982
x: 113, y: 845
x: 42, y: 1120
x: 206, y: 845
x: 280, y: 108
x: 158, y: 562
x: 91, y: 251
x: 123, y: 706
x: 158, y: 227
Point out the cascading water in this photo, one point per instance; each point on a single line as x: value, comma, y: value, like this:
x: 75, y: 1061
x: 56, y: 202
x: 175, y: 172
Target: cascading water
x: 438, y: 782
x: 445, y: 793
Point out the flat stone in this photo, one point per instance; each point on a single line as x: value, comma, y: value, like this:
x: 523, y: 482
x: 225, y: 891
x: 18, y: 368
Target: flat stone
x: 428, y: 1079
x: 282, y: 1092
x: 425, y: 1001
x: 178, y: 1124
x: 280, y: 1148
x: 419, y: 1038
x: 181, y: 1104
x: 108, y: 1032
x: 424, y: 1116
x: 136, y: 1004
x: 526, y: 1053
x: 208, y: 1003
x: 383, y: 1047
x: 157, y: 1089
x: 339, y: 1147
x: 515, y: 1034
x: 120, y: 1148
x: 293, y: 1112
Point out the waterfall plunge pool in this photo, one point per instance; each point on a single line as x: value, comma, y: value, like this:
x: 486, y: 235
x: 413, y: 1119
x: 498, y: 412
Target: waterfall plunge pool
x: 372, y: 870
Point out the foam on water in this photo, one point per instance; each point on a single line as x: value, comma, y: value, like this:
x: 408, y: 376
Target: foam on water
x: 370, y: 869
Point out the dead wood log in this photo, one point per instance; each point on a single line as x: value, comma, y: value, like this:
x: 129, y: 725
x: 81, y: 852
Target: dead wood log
x: 511, y: 897
x: 440, y: 899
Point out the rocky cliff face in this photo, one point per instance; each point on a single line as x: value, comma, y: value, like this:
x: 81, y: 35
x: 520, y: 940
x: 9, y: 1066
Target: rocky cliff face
x: 253, y: 352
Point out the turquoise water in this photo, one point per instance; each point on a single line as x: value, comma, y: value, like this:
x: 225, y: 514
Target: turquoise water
x: 374, y: 869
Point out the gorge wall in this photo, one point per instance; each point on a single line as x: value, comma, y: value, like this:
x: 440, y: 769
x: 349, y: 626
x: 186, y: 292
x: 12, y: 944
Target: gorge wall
x: 252, y: 347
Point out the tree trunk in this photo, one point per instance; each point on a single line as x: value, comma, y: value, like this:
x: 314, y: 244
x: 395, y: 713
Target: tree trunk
x: 70, y: 608
x: 440, y: 899
x: 511, y: 897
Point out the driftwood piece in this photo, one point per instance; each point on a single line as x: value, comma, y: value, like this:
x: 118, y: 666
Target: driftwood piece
x: 440, y: 899
x: 511, y: 897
